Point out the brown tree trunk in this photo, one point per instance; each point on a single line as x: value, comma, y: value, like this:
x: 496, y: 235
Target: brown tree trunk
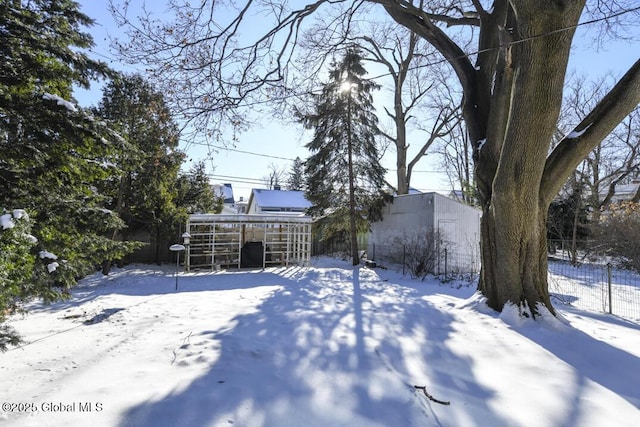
x: 355, y: 256
x: 401, y: 165
x: 524, y: 112
x: 403, y: 174
x: 514, y: 257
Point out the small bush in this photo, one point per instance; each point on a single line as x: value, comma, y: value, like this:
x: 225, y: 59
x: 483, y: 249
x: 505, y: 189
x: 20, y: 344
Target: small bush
x: 418, y: 253
x: 619, y: 232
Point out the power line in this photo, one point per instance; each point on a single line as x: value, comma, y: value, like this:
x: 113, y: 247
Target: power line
x: 253, y: 153
x: 467, y: 55
x: 526, y: 39
x: 289, y: 159
x: 270, y: 156
x: 246, y: 179
x: 254, y: 181
x: 434, y: 63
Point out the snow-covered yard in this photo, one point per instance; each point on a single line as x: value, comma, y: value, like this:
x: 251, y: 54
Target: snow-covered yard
x: 327, y: 345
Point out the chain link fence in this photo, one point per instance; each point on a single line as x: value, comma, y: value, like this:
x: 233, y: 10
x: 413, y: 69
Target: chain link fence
x: 581, y: 274
x: 596, y: 287
x: 588, y: 281
x: 417, y: 259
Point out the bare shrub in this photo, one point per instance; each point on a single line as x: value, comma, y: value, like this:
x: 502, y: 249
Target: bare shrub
x: 418, y: 252
x: 619, y: 233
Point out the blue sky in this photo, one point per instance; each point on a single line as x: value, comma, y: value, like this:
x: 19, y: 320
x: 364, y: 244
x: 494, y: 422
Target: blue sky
x: 282, y: 142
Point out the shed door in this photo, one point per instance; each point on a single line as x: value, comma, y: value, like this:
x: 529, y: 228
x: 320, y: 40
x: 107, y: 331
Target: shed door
x: 447, y: 229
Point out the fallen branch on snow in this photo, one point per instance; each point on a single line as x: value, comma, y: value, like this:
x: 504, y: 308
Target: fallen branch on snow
x: 431, y: 398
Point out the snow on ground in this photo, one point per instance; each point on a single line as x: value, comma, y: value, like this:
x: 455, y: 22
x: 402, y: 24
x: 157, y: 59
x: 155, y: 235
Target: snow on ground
x: 327, y: 345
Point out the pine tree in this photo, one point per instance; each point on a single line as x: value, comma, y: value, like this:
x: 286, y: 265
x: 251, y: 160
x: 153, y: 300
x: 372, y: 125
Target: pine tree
x: 296, y: 178
x: 52, y: 153
x: 145, y: 191
x: 344, y: 177
x: 195, y: 193
x: 17, y: 262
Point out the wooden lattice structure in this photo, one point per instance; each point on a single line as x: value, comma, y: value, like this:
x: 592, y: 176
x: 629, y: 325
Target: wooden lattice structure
x: 247, y: 241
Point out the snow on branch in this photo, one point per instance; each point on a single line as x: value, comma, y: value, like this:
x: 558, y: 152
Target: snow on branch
x: 578, y: 133
x: 52, y: 267
x: 47, y: 255
x: 60, y: 101
x: 6, y: 221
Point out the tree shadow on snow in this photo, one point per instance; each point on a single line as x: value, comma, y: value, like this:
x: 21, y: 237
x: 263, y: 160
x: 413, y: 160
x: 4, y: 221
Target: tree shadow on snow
x: 327, y: 348
x: 592, y: 360
x: 148, y: 281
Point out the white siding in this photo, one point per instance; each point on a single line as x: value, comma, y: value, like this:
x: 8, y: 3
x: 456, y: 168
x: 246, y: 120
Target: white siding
x: 457, y: 224
x: 459, y: 228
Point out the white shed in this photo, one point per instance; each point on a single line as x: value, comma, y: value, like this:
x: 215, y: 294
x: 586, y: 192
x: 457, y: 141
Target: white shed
x: 455, y: 227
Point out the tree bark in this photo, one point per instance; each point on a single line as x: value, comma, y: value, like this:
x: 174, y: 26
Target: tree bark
x: 515, y: 212
x: 514, y: 260
x: 355, y: 256
x: 401, y: 166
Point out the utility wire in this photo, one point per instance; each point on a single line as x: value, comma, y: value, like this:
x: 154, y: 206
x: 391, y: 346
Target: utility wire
x: 221, y: 147
x: 434, y: 63
x: 526, y: 39
x: 246, y: 179
x: 470, y: 54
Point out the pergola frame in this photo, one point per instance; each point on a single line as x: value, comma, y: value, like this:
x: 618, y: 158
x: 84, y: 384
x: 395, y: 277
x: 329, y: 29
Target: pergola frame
x: 217, y: 241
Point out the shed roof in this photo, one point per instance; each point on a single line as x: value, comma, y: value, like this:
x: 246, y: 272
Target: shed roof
x: 279, y: 199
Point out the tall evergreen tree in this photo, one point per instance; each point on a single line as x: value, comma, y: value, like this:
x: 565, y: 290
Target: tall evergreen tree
x: 195, y: 193
x: 52, y: 154
x: 345, y: 129
x: 144, y: 193
x: 296, y: 178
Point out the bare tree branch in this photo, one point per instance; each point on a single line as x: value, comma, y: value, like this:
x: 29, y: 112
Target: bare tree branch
x: 610, y: 111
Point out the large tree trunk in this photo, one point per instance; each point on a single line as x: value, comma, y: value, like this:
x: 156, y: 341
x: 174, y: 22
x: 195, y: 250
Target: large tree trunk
x: 514, y: 256
x: 403, y: 175
x: 522, y: 120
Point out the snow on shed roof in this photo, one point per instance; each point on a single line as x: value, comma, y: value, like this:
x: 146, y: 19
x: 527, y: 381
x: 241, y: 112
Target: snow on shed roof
x: 280, y: 199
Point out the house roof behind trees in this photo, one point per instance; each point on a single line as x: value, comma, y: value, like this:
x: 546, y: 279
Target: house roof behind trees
x: 225, y: 190
x: 623, y: 192
x: 262, y: 200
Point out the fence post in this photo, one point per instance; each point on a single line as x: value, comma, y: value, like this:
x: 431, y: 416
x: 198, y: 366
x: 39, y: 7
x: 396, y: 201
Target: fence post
x: 404, y: 258
x: 609, y: 287
x: 445, y: 262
